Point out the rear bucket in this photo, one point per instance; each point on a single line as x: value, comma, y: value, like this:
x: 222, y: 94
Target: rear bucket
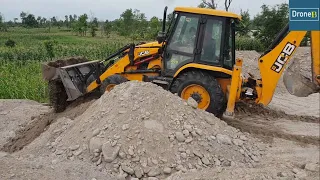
x: 296, y: 83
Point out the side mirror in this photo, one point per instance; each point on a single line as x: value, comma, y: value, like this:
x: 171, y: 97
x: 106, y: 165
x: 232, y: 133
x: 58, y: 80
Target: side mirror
x: 161, y: 37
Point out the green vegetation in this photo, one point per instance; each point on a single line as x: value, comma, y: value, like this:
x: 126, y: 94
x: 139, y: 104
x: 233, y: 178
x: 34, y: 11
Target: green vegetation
x: 20, y: 70
x: 269, y: 22
x: 22, y: 81
x: 245, y: 43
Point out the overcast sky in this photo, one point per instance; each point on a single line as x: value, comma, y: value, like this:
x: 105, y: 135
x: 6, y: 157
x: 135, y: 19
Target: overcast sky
x: 111, y: 9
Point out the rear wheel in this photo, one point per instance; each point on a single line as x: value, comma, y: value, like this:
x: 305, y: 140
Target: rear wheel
x: 57, y: 95
x: 109, y: 83
x: 203, y: 88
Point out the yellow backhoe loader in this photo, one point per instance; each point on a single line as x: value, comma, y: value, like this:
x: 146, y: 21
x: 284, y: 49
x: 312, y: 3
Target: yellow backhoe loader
x: 194, y: 58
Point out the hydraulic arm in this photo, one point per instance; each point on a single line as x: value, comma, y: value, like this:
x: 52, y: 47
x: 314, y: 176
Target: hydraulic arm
x: 272, y: 65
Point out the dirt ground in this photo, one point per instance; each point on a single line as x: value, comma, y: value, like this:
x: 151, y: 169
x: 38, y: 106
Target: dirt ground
x: 286, y: 132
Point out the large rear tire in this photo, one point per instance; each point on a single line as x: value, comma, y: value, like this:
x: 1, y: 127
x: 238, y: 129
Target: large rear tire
x: 57, y: 95
x: 202, y: 87
x: 109, y: 83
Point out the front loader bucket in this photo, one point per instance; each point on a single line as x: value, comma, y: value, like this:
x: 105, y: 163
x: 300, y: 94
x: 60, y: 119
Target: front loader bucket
x: 74, y: 73
x: 49, y: 69
x: 77, y: 77
x: 296, y: 83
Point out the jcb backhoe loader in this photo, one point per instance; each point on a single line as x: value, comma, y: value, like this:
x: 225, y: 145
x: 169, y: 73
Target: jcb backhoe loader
x: 194, y: 58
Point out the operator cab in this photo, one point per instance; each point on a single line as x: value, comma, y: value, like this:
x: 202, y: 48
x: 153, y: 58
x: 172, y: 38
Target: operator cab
x: 202, y: 36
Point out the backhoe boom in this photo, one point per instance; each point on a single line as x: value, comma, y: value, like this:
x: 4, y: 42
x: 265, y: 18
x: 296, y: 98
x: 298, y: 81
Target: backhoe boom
x: 272, y: 65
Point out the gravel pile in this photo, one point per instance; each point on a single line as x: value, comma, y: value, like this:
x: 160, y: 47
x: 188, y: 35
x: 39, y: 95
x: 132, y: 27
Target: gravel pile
x: 250, y: 62
x: 139, y: 130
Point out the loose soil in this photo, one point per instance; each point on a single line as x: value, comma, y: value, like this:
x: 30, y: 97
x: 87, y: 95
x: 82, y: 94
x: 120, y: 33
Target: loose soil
x: 140, y: 130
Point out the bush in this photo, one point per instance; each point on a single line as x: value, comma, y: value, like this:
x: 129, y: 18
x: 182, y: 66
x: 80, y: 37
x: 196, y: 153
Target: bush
x: 245, y: 43
x: 50, y: 46
x: 10, y: 43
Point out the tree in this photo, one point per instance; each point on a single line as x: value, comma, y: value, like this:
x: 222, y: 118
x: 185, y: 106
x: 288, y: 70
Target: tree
x: 54, y: 21
x: 243, y: 28
x: 201, y: 5
x: 71, y: 20
x: 9, y: 24
x: 75, y: 17
x: 3, y: 26
x: 107, y: 27
x: 82, y: 24
x: 66, y: 21
x: 23, y: 15
x: 154, y: 27
x: 140, y: 24
x: 94, y: 27
x: 60, y: 24
x: 43, y: 21
x: 208, y: 4
x: 127, y: 22
x: 39, y: 20
x: 15, y: 20
x: 270, y: 21
x: 227, y: 4
x: 169, y: 19
x: 29, y: 20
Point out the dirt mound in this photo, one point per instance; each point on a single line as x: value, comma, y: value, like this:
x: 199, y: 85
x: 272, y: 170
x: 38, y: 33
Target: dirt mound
x: 32, y: 123
x: 67, y: 62
x: 250, y: 62
x: 141, y: 130
x: 16, y: 114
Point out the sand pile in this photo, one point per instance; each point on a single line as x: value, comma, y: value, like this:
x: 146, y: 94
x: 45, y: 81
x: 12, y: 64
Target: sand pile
x: 140, y: 130
x: 250, y: 62
x: 17, y: 115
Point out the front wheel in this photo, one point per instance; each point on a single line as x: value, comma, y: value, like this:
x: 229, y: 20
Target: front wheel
x: 109, y: 83
x: 203, y: 88
x: 57, y: 95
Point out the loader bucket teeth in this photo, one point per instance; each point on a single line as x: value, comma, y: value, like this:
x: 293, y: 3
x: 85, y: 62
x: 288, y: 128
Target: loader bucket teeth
x: 296, y: 83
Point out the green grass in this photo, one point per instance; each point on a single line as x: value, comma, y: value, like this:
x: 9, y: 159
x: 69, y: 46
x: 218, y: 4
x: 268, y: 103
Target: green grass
x: 22, y: 81
x: 30, y: 45
x: 20, y: 72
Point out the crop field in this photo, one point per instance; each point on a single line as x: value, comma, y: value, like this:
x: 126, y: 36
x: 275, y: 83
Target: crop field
x: 20, y: 66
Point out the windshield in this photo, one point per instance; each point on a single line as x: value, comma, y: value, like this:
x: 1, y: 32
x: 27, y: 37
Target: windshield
x: 184, y: 36
x: 182, y: 42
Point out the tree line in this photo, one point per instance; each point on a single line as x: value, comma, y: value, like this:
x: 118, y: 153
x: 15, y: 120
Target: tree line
x: 132, y: 23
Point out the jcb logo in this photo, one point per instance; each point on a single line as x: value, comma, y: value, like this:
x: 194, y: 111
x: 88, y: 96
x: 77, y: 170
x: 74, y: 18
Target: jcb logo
x: 143, y: 53
x: 283, y: 57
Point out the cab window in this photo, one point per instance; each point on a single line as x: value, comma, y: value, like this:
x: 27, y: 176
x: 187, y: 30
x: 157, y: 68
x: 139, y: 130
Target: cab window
x: 211, y: 47
x: 183, y: 41
x: 184, y: 36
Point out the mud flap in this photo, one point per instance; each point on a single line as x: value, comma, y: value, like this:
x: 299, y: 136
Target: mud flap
x: 298, y: 84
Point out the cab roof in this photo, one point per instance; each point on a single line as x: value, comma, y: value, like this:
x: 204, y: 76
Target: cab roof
x: 207, y: 11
